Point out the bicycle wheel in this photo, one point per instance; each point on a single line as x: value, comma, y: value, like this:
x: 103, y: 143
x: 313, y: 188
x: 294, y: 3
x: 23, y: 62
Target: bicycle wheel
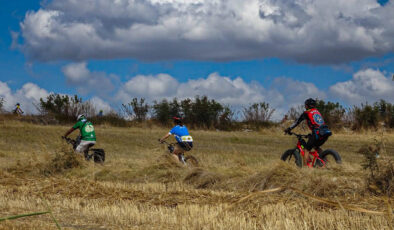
x: 295, y: 153
x: 98, y: 155
x: 330, y: 156
x: 191, y: 161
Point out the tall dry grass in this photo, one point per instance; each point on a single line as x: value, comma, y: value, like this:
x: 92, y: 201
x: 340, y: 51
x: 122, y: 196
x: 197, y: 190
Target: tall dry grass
x: 139, y: 187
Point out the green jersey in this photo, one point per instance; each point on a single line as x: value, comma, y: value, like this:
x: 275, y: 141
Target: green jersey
x: 87, y: 130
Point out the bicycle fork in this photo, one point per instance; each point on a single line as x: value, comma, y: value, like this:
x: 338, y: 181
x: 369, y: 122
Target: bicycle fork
x: 181, y: 158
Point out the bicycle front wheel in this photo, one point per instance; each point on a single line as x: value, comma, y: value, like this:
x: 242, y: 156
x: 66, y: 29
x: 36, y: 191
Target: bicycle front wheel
x: 191, y: 161
x: 292, y: 153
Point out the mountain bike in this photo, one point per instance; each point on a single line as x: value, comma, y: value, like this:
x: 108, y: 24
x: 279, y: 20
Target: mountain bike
x: 98, y: 155
x: 318, y: 160
x: 188, y: 160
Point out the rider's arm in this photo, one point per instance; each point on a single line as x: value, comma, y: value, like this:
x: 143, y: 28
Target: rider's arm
x: 298, y: 121
x: 69, y: 131
x: 165, y: 137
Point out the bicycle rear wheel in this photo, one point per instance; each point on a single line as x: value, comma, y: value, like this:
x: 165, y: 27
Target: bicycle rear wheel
x: 191, y: 161
x: 331, y: 156
x: 292, y: 153
x: 98, y: 155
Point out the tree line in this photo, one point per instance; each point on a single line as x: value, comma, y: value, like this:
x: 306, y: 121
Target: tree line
x: 206, y: 113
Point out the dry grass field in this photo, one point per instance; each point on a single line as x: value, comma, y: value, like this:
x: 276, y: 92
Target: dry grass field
x: 240, y: 184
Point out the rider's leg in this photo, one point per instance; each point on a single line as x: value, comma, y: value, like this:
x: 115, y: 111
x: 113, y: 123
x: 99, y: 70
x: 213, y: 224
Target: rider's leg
x: 84, y: 146
x: 319, y: 150
x: 309, y: 145
x: 177, y: 151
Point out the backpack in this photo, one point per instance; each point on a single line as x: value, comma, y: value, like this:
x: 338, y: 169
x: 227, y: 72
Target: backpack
x: 324, y: 131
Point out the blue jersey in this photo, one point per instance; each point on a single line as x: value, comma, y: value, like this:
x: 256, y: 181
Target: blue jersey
x: 181, y: 134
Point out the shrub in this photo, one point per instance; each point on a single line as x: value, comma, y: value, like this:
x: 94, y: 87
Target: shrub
x: 386, y: 112
x: 64, y: 108
x: 137, y: 110
x: 258, y: 114
x: 365, y: 116
x: 200, y: 112
x: 1, y: 104
x: 205, y: 112
x: 381, y: 169
x: 163, y: 111
x: 332, y: 113
x: 295, y: 112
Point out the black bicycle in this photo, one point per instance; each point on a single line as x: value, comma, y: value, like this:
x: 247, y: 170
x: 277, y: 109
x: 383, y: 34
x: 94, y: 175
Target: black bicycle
x: 98, y: 155
x: 188, y: 160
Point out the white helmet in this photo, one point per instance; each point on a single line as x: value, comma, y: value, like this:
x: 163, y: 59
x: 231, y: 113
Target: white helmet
x: 80, y: 116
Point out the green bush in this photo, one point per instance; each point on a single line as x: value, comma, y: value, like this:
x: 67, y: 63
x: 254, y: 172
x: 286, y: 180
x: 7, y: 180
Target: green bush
x: 199, y: 113
x: 64, y: 108
x: 163, y: 111
x: 1, y: 104
x: 258, y: 115
x: 386, y: 112
x: 365, y: 117
x: 137, y: 110
x: 332, y: 113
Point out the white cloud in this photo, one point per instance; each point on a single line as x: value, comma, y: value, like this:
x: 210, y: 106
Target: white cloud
x: 100, y: 104
x: 281, y: 95
x: 367, y: 85
x: 317, y: 31
x: 162, y: 85
x: 223, y: 89
x: 78, y: 75
x: 27, y: 95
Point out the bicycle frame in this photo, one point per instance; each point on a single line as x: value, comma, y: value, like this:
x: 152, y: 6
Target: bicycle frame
x: 301, y: 148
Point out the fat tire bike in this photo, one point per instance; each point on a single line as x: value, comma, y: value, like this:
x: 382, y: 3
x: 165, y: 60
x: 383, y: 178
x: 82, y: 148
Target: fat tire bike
x: 318, y: 160
x: 98, y: 155
x: 187, y: 160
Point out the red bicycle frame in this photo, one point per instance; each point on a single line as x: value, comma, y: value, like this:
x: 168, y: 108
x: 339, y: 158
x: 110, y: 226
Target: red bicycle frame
x: 315, y: 155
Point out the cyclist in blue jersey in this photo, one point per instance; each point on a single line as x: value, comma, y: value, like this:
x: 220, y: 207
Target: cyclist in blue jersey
x: 182, y: 136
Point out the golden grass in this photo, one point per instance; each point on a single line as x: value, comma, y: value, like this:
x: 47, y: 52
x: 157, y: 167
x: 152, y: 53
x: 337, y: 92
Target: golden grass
x: 139, y: 187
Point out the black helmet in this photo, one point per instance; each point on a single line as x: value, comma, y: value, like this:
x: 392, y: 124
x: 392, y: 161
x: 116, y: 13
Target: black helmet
x: 310, y: 103
x: 177, y: 120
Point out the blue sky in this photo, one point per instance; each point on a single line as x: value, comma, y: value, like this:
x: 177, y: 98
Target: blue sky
x: 278, y: 69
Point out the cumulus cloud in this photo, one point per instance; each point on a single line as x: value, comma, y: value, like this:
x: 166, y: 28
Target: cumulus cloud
x: 151, y: 87
x: 27, y: 96
x: 367, y: 85
x: 318, y: 31
x: 282, y: 94
x: 78, y: 75
x: 214, y: 86
x: 100, y: 104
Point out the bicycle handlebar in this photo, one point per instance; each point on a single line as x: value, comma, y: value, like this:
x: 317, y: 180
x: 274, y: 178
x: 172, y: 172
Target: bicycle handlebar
x: 68, y: 140
x: 165, y: 142
x: 298, y: 135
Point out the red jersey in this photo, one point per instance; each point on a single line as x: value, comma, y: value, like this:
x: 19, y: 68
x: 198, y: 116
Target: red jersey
x: 313, y: 118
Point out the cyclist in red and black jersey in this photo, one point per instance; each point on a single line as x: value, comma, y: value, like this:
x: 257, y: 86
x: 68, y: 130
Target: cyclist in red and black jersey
x: 316, y: 124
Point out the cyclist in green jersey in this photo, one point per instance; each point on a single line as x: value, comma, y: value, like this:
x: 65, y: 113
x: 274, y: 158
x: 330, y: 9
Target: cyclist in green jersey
x: 87, y: 134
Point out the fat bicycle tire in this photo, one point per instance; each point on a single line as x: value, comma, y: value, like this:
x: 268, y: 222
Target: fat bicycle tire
x: 330, y: 152
x: 98, y: 155
x: 292, y: 153
x: 191, y: 161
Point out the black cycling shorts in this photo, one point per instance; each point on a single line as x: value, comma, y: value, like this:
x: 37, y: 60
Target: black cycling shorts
x: 187, y: 146
x: 315, y: 141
